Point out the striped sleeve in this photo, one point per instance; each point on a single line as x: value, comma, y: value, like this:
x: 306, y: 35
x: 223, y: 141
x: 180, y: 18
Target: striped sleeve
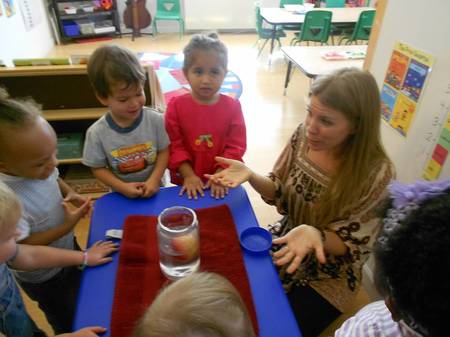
x: 374, y: 320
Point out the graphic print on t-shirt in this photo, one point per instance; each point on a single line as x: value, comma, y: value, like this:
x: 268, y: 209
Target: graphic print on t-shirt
x: 134, y: 158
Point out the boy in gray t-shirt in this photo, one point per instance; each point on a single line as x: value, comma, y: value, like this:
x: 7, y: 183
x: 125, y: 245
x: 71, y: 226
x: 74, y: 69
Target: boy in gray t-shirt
x: 128, y: 148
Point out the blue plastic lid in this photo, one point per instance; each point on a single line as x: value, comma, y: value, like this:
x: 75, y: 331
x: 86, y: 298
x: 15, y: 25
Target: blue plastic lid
x: 256, y: 240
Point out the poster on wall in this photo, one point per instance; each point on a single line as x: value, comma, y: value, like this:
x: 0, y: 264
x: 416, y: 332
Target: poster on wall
x: 10, y: 9
x: 1, y: 11
x: 439, y: 154
x: 403, y: 85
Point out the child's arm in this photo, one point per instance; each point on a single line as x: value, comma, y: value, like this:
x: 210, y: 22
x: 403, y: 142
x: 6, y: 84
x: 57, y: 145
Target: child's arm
x: 130, y: 190
x: 154, y: 181
x: 37, y: 257
x: 70, y: 195
x: 71, y: 218
x: 192, y: 184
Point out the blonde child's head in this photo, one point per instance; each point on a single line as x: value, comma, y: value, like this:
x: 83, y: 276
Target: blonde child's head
x: 200, y: 305
x: 118, y: 79
x: 9, y: 216
x: 205, y: 67
x: 27, y: 141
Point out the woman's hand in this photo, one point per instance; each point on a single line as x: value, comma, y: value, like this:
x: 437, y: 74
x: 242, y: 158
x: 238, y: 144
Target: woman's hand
x: 299, y: 242
x: 235, y: 174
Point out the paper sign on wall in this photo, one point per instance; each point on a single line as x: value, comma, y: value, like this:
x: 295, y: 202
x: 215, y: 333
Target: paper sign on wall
x: 403, y: 85
x: 440, y: 153
x: 10, y: 9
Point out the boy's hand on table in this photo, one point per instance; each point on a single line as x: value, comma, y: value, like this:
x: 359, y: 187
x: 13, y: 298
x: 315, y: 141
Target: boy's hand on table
x: 132, y: 190
x: 99, y: 251
x: 151, y: 187
x: 72, y: 216
x: 192, y: 185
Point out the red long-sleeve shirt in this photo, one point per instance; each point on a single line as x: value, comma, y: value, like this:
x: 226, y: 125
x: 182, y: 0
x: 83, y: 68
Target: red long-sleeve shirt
x: 200, y: 132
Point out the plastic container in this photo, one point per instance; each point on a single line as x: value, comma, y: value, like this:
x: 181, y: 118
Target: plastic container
x: 256, y: 240
x: 70, y: 10
x: 71, y: 28
x: 86, y: 26
x: 87, y: 8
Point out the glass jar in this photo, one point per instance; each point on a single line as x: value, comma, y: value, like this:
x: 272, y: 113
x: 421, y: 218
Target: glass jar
x: 178, y: 242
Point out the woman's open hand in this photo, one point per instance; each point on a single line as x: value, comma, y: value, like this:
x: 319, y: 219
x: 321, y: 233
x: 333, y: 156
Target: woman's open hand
x: 235, y: 174
x: 298, y: 243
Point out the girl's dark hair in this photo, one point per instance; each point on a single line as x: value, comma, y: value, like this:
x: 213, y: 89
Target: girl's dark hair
x: 413, y: 264
x: 113, y: 64
x: 16, y: 112
x: 205, y: 42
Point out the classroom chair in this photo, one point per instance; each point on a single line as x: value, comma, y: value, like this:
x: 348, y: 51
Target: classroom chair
x: 336, y: 29
x: 290, y: 2
x: 266, y: 33
x: 335, y: 3
x: 315, y: 28
x: 362, y: 28
x: 168, y: 10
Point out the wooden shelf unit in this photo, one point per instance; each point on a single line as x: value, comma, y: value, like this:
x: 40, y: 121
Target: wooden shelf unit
x: 65, y: 93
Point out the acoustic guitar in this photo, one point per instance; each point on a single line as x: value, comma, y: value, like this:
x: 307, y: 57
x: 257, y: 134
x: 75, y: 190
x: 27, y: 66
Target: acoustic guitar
x: 136, y: 16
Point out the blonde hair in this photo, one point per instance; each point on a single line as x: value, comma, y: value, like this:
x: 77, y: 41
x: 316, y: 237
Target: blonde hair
x: 8, y: 203
x: 199, y: 305
x: 355, y: 93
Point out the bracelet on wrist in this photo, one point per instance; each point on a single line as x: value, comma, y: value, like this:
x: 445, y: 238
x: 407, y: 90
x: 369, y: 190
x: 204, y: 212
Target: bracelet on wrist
x: 85, y: 260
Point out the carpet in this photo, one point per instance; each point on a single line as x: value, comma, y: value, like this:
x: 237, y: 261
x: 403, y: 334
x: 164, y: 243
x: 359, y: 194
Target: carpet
x: 173, y: 83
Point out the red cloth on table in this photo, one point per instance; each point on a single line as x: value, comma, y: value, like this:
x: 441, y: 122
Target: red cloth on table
x: 139, y: 277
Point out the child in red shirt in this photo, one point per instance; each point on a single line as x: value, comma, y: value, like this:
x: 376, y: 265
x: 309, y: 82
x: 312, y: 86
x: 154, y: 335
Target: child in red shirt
x: 203, y: 124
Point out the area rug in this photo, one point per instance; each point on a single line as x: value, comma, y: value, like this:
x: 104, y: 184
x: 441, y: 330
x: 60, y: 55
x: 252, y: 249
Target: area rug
x: 173, y: 83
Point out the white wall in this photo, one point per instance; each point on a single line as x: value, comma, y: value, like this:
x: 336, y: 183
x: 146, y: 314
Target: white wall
x: 208, y: 14
x: 424, y: 26
x: 17, y: 42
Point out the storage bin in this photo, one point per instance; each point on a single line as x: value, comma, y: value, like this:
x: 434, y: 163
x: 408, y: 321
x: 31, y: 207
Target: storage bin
x: 71, y: 28
x: 86, y: 26
x: 70, y: 145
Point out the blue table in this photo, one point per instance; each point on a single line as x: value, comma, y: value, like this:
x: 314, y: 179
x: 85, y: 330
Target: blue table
x: 95, y: 299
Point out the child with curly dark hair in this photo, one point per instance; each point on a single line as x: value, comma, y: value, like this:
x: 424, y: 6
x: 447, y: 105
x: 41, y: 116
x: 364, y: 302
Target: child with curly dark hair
x: 412, y: 266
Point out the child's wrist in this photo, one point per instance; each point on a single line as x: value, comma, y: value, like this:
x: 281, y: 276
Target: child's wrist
x: 84, y: 263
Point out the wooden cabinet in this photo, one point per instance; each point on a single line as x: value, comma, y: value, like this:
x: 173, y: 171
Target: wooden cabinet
x: 67, y: 98
x: 80, y: 19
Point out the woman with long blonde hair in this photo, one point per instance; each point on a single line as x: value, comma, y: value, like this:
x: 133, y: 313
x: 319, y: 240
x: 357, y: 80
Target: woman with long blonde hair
x: 327, y: 183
